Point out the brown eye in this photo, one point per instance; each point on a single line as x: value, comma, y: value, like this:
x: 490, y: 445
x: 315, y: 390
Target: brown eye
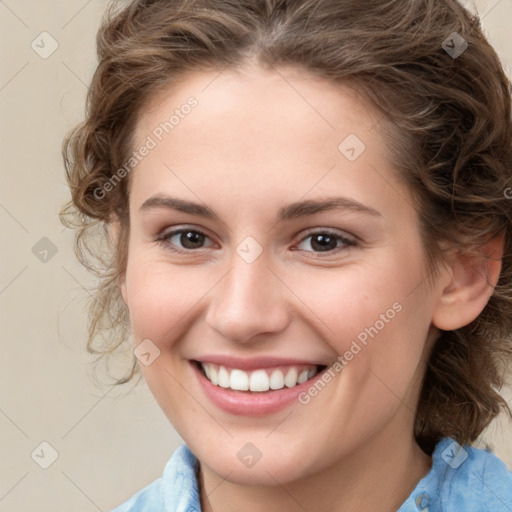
x: 183, y: 240
x: 191, y: 239
x: 327, y: 241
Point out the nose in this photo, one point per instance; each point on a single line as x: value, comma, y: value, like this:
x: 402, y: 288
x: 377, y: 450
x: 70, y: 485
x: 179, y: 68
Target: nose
x: 247, y: 302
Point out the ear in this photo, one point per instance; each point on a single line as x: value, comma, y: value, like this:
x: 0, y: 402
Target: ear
x: 470, y: 283
x: 114, y: 227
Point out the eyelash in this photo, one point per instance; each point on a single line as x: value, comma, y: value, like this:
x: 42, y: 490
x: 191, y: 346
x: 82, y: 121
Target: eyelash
x: 347, y: 242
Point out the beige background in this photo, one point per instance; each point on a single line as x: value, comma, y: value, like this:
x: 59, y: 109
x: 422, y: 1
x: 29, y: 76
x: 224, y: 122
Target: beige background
x: 110, y: 443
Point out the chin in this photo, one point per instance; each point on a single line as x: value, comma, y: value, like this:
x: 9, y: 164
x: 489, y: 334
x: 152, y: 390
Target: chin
x: 268, y: 474
x: 277, y: 465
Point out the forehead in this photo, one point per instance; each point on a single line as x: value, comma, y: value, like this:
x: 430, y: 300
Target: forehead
x: 263, y: 133
x: 285, y: 94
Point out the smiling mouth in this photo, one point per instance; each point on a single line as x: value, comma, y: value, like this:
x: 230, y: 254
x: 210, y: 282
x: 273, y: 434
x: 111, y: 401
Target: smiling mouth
x: 259, y: 380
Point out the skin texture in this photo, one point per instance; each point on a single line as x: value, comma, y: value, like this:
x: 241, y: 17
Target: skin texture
x: 256, y: 141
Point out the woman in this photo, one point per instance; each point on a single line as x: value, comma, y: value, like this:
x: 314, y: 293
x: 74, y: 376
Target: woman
x: 310, y: 243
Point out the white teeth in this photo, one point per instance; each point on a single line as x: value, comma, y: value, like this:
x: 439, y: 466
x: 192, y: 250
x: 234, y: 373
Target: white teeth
x: 239, y: 380
x: 291, y: 378
x: 214, y: 375
x: 277, y: 380
x: 223, y: 377
x: 303, y: 377
x: 257, y: 380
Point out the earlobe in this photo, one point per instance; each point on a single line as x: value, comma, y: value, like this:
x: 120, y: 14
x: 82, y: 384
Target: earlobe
x: 470, y: 286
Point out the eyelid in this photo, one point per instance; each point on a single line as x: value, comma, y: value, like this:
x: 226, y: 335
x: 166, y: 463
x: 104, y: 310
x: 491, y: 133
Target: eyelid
x: 164, y: 236
x: 348, y: 241
x: 328, y: 231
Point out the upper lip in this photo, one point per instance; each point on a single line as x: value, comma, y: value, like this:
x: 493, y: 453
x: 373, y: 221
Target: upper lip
x: 253, y: 363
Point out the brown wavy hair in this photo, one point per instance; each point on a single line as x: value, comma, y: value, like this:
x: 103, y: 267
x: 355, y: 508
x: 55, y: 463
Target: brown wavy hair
x: 451, y: 137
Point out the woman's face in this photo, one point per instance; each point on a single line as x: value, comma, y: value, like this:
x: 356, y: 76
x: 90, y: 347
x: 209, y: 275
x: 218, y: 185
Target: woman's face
x: 270, y: 236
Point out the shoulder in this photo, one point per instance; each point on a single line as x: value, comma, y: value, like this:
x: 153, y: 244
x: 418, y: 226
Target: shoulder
x: 462, y: 478
x: 148, y: 498
x: 485, y: 478
x: 175, y: 489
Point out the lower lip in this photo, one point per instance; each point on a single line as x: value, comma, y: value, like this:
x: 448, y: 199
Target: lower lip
x: 246, y: 403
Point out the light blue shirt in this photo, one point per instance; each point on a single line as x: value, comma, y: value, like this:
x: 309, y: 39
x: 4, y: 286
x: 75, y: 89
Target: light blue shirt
x: 461, y: 479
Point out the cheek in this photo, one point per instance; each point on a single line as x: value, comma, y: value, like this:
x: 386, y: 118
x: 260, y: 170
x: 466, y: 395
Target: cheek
x: 348, y: 302
x: 375, y: 317
x: 160, y: 297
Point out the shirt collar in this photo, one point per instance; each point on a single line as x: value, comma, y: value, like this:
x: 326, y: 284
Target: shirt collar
x: 182, y: 492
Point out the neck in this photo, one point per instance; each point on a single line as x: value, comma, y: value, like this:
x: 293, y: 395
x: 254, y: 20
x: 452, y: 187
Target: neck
x: 389, y: 466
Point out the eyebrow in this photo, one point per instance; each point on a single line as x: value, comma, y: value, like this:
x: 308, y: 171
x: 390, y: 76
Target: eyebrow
x: 288, y: 212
